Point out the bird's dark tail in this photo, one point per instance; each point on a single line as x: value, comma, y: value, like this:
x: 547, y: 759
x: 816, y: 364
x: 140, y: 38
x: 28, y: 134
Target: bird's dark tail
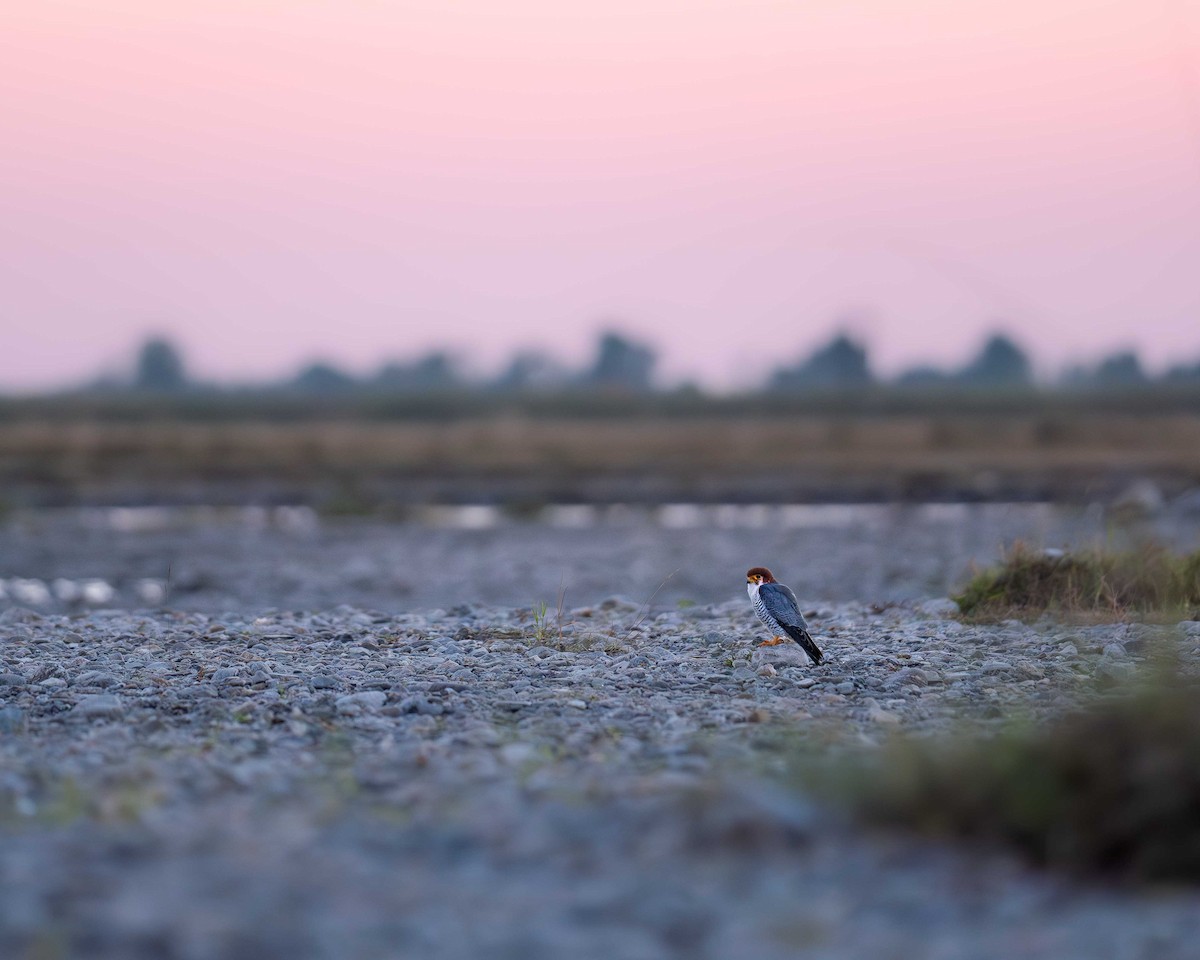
x: 806, y: 643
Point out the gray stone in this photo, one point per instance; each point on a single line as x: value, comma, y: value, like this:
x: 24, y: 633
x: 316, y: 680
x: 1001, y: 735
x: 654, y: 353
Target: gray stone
x: 12, y: 719
x: 96, y: 678
x: 43, y: 671
x: 1141, y: 498
x: 366, y: 702
x: 877, y: 714
x: 98, y: 706
x: 421, y: 706
x: 1115, y: 671
x: 941, y: 607
x: 906, y: 675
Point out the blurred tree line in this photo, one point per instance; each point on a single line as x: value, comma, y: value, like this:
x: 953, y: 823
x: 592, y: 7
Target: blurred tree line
x: 622, y: 365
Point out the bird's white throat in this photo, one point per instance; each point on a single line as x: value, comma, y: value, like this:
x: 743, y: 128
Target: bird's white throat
x: 752, y: 589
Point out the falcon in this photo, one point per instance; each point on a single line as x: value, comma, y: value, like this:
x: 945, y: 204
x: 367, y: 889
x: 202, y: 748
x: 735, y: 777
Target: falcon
x: 777, y: 608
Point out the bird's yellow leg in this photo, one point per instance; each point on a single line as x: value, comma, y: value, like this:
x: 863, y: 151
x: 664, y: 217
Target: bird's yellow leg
x: 773, y: 642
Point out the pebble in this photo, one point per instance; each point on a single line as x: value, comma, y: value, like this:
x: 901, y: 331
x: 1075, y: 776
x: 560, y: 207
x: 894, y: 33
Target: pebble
x: 420, y: 705
x: 365, y: 702
x: 98, y: 706
x: 12, y: 719
x: 877, y: 714
x: 907, y: 675
x: 941, y: 608
x: 17, y: 614
x: 95, y: 678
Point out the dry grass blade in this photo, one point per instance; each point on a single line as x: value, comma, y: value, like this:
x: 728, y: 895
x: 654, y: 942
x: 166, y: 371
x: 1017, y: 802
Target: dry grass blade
x: 645, y: 607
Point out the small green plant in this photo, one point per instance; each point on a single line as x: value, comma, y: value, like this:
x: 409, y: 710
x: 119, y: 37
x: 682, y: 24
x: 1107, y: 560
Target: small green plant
x: 541, y: 621
x: 1116, y: 584
x: 542, y: 629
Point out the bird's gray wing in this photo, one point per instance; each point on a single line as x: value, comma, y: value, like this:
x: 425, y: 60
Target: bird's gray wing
x: 781, y: 604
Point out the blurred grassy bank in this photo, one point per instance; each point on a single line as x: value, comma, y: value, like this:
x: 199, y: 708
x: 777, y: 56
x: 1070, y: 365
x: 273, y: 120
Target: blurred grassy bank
x: 1111, y: 788
x: 1149, y: 581
x: 343, y: 460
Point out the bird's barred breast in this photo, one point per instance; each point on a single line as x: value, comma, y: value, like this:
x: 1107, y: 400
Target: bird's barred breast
x: 760, y: 608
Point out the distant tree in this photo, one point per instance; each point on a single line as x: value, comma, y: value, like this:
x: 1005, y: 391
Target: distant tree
x: 1183, y: 373
x: 434, y: 371
x: 1120, y: 370
x: 322, y: 377
x: 841, y: 364
x: 1001, y: 363
x: 530, y: 370
x: 159, y: 366
x: 622, y: 364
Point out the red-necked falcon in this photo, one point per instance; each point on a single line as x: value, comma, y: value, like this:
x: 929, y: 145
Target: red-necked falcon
x: 777, y: 608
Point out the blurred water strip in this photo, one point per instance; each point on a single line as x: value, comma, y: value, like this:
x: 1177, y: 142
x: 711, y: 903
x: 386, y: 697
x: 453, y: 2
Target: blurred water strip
x: 300, y: 519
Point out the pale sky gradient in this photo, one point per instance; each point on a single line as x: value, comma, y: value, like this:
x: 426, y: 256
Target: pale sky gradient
x: 271, y: 181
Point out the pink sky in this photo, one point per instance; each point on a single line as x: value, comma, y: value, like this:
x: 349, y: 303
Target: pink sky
x: 269, y: 182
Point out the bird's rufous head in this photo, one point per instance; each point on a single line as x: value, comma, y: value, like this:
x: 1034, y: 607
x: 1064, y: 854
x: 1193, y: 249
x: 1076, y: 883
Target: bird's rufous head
x: 759, y: 575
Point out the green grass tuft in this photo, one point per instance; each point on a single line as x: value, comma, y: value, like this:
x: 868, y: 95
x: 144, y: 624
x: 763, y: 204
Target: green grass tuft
x: 1137, y: 582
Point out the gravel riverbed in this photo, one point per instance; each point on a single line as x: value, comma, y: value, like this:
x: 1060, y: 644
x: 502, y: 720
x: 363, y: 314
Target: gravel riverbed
x: 254, y: 769
x: 448, y: 784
